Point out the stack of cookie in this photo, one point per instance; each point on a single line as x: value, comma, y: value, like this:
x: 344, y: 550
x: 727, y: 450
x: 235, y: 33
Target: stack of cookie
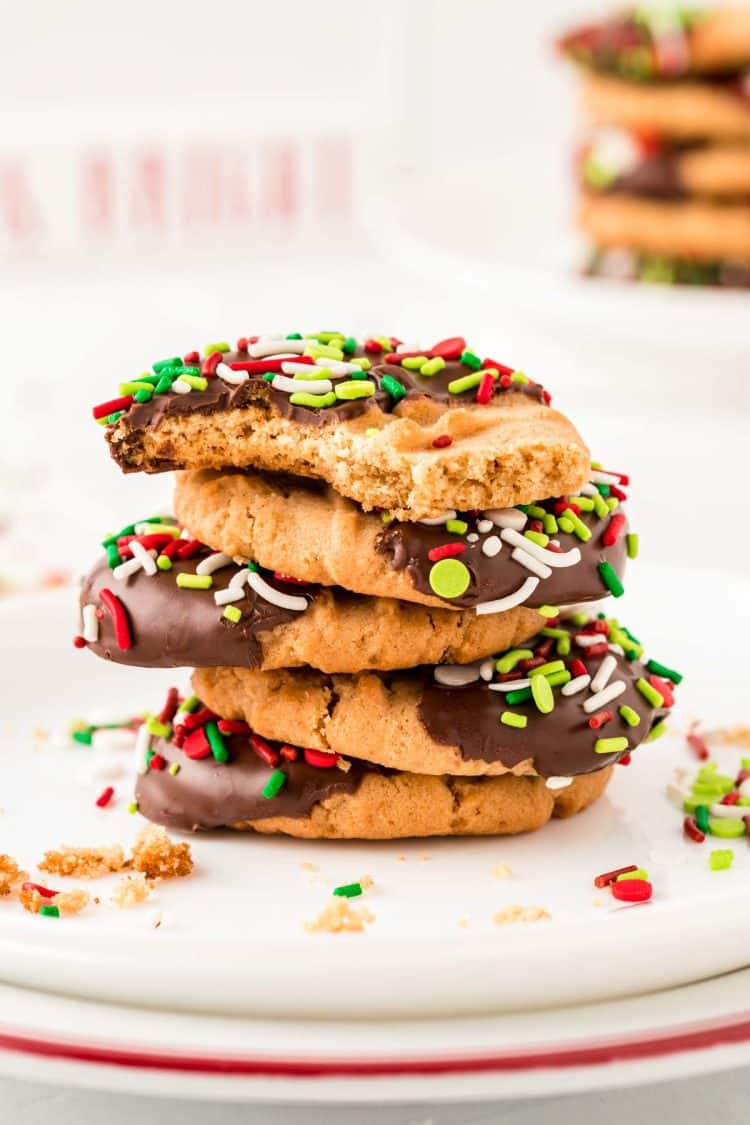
x: 665, y: 170
x: 372, y: 552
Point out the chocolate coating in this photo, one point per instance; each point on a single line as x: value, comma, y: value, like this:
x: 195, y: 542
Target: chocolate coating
x: 560, y: 744
x: 407, y: 546
x: 174, y: 627
x: 208, y: 794
x: 657, y: 177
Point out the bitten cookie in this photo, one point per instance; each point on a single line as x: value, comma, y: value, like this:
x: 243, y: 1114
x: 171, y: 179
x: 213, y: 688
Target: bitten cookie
x: 685, y: 110
x: 189, y: 606
x: 558, y: 551
x: 576, y: 698
x: 416, y: 433
x: 269, y: 788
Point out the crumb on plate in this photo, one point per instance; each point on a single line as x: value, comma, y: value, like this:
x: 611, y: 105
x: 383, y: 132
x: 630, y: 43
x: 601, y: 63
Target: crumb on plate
x: 340, y: 917
x: 132, y: 890
x: 11, y: 875
x: 502, y: 871
x: 84, y: 863
x: 511, y: 914
x: 155, y: 855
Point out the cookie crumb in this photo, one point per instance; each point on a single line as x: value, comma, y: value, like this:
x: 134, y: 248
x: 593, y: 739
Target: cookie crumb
x: 512, y: 914
x: 84, y: 863
x: 425, y: 857
x: 366, y: 882
x: 131, y: 891
x: 309, y: 867
x: 158, y: 857
x: 11, y: 875
x: 734, y: 736
x: 67, y: 902
x: 340, y: 917
x: 463, y: 923
x: 502, y: 871
x: 343, y: 764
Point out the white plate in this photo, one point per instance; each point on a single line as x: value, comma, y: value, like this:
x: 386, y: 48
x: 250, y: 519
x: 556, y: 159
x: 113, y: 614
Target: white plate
x: 235, y: 941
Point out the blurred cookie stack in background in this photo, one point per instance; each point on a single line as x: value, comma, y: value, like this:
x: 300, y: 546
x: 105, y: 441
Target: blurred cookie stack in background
x: 665, y: 166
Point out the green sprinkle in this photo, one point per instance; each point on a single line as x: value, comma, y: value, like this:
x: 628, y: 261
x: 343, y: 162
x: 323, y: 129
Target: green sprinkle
x: 386, y: 518
x: 233, y: 614
x: 414, y: 362
x: 726, y: 827
x: 456, y: 527
x: 508, y: 660
x: 513, y: 719
x: 721, y: 859
x: 550, y: 611
x: 362, y: 361
x: 191, y: 704
x: 701, y: 817
x: 580, y: 529
x: 537, y: 537
x: 164, y: 385
x: 174, y: 769
x: 558, y: 678
x: 566, y: 524
x: 662, y: 670
x: 585, y: 503
x: 657, y: 730
x: 470, y: 359
x: 654, y: 697
x: 535, y: 512
x: 600, y: 507
x: 610, y: 579
x: 216, y: 742
x: 631, y: 544
x: 432, y: 366
x: 449, y: 578
x: 195, y: 581
x: 112, y: 418
x: 550, y: 524
x: 131, y: 388
x: 49, y: 911
x: 358, y: 375
x: 293, y: 336
x: 562, y: 646
x: 550, y: 632
x: 164, y: 562
x: 161, y: 364
x: 209, y: 349
x: 393, y: 387
x: 519, y: 377
x: 197, y: 382
x: 83, y: 737
x: 348, y: 890
x: 157, y: 729
x: 304, y: 398
x: 612, y: 503
x: 547, y: 669
x: 639, y: 873
x: 133, y: 807
x: 113, y: 556
x: 631, y: 717
x: 349, y: 345
x: 354, y: 388
x: 465, y: 383
x: 542, y: 694
x: 521, y: 695
x: 143, y: 396
x: 610, y: 745
x: 275, y: 782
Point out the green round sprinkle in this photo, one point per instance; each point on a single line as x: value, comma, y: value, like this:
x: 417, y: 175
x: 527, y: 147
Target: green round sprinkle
x: 521, y: 695
x: 551, y: 611
x: 471, y: 359
x: 356, y: 375
x: 275, y: 782
x: 610, y: 745
x: 610, y: 580
x: 721, y: 859
x: 662, y: 670
x: 639, y: 873
x: 233, y: 614
x: 294, y: 336
x: 508, y: 660
x: 348, y: 890
x: 513, y: 719
x: 174, y: 769
x: 542, y: 694
x: 195, y: 581
x: 164, y: 562
x: 393, y: 387
x: 49, y: 911
x: 465, y: 383
x: 449, y: 578
x: 414, y: 362
x: 354, y: 388
x: 456, y: 527
x: 216, y: 742
x: 112, y: 418
x: 303, y: 398
x: 726, y: 827
x: 701, y: 817
x: 433, y: 366
x: 631, y: 717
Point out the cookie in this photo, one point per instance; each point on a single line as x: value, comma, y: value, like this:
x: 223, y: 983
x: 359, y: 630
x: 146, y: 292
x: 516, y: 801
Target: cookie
x: 629, y: 265
x: 412, y: 433
x: 365, y: 802
x: 690, y: 230
x: 592, y: 703
x: 658, y: 43
x: 615, y: 161
x: 204, y: 610
x: 486, y: 561
x: 684, y: 110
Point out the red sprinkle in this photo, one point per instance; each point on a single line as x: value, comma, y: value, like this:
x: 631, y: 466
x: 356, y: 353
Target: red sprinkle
x: 506, y: 381
x: 730, y: 798
x: 544, y: 648
x: 613, y: 530
x: 665, y: 689
x: 746, y: 822
x: 119, y: 617
x: 210, y: 363
x: 260, y: 366
x: 622, y: 477
x: 199, y: 718
x: 610, y: 876
x: 178, y: 736
x: 373, y: 346
x: 501, y: 367
x: 191, y: 359
x: 485, y: 389
x: 632, y: 890
x: 530, y: 662
x: 600, y: 718
x: 288, y: 578
x: 45, y: 892
x: 450, y: 348
x: 196, y: 745
x: 242, y: 344
x: 743, y: 775
x: 597, y: 650
x: 578, y: 668
x: 598, y: 627
x: 290, y: 753
x: 691, y: 830
x: 625, y: 760
x: 79, y: 641
x: 171, y: 703
x: 105, y: 797
x: 615, y: 491
x: 696, y: 743
x: 189, y: 548
x: 157, y: 762
x: 264, y: 750
x: 561, y: 506
x: 320, y: 758
x: 233, y: 726
x: 446, y: 551
x: 442, y: 441
x: 172, y: 550
x: 111, y: 407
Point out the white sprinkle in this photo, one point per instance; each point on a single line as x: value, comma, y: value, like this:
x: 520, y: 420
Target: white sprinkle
x: 437, y: 520
x: 292, y: 367
x: 612, y: 691
x: 744, y: 789
x: 472, y: 537
x: 558, y: 782
x: 108, y: 769
x: 617, y: 649
x: 145, y: 558
x: 603, y: 673
x: 456, y: 675
x: 294, y: 386
x: 100, y: 715
x: 407, y: 348
x: 585, y: 640
x: 146, y: 528
x: 213, y: 562
x: 275, y: 597
x: 125, y: 569
x: 235, y: 590
x: 589, y: 490
x: 578, y: 684
x: 230, y: 376
x: 510, y: 685
x: 267, y: 345
x: 487, y: 669
x: 550, y: 558
x: 525, y: 559
x: 239, y: 579
x: 90, y: 630
x: 499, y: 605
x: 484, y: 526
x: 604, y: 478
x: 492, y: 546
x: 180, y: 387
x: 142, y: 747
x: 729, y: 812
x: 186, y: 533
x: 337, y: 366
x: 677, y: 794
x: 113, y: 739
x: 507, y: 517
